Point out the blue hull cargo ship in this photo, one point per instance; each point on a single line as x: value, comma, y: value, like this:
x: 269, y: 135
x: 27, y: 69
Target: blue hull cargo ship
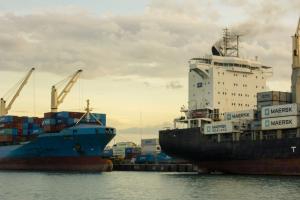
x: 65, y: 141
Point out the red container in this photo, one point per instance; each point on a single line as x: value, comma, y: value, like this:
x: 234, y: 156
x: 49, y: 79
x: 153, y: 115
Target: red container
x: 76, y: 114
x: 8, y: 125
x: 38, y: 120
x: 50, y: 115
x: 6, y: 138
x: 54, y: 128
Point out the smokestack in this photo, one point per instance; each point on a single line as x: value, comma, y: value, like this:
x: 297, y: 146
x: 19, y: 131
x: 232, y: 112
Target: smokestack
x: 296, y: 66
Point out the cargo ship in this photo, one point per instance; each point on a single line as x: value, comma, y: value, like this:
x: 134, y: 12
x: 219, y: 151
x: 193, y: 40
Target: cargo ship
x: 61, y: 141
x: 232, y: 124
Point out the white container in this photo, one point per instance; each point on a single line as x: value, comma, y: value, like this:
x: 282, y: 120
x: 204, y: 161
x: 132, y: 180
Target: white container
x: 119, y: 148
x: 151, y: 142
x: 243, y: 114
x: 268, y: 96
x: 280, y: 110
x: 151, y: 149
x: 220, y: 127
x: 280, y: 123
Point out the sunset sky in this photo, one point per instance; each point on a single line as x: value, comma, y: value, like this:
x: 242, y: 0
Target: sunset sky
x: 134, y: 53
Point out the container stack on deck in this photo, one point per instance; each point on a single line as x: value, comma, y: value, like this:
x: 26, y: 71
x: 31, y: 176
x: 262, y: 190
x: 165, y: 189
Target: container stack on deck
x: 57, y: 121
x: 13, y: 128
x: 272, y: 98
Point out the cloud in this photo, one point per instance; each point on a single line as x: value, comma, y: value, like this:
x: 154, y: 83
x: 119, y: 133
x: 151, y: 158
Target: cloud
x: 147, y: 45
x: 156, y: 43
x: 174, y: 85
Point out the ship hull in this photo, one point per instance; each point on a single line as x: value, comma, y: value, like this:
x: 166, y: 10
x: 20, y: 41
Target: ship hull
x: 80, y: 164
x: 74, y: 149
x: 276, y: 157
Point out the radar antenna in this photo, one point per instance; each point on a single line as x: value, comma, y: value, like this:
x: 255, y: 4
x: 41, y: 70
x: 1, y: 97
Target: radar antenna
x: 228, y: 46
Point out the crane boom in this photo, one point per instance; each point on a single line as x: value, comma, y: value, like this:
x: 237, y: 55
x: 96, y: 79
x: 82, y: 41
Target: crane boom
x: 56, y: 100
x: 3, y: 108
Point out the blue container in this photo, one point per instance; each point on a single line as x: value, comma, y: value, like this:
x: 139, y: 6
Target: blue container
x: 63, y: 114
x: 128, y: 150
x: 107, y: 153
x: 163, y: 158
x: 145, y: 159
x: 25, y: 132
x: 25, y: 126
x: 49, y: 121
x: 35, y: 126
x: 30, y: 119
x: 9, y: 131
x: 6, y: 119
x: 72, y: 121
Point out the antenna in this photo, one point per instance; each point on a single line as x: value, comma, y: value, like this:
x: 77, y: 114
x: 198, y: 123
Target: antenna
x: 230, y: 43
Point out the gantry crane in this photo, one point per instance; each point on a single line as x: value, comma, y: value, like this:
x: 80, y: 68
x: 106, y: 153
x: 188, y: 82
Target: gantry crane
x: 56, y: 100
x: 3, y: 108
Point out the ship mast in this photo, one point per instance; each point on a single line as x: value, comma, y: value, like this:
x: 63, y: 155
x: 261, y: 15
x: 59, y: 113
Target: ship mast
x: 88, y: 114
x: 230, y: 43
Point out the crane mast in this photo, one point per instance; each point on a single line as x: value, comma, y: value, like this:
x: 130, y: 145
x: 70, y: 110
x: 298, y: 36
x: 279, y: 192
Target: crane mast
x: 57, y: 99
x: 3, y: 108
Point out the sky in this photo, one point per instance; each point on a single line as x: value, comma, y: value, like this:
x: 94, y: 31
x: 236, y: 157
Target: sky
x: 134, y: 53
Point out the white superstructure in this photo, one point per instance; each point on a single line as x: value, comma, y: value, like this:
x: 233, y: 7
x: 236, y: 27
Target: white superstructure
x: 225, y: 83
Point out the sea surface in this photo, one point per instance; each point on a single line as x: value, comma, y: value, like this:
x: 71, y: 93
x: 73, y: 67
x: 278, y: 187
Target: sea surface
x: 144, y: 185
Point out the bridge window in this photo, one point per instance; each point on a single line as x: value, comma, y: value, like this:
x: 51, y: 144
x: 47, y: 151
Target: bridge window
x: 199, y: 84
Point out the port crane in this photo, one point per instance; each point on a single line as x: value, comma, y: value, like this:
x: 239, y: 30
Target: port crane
x: 3, y: 108
x: 57, y: 99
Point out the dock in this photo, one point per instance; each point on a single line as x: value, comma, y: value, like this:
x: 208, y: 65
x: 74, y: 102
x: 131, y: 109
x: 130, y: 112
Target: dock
x: 156, y: 167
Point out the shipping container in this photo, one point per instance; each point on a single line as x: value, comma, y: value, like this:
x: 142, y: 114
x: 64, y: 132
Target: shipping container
x: 163, y: 158
x: 221, y: 127
x: 238, y: 115
x: 152, y: 141
x: 6, y: 119
x: 280, y: 110
x: 256, y: 125
x: 145, y: 159
x: 283, y: 96
x: 6, y: 138
x: 260, y: 105
x: 49, y: 121
x: 107, y: 153
x: 268, y: 96
x: 280, y: 123
x: 9, y: 131
x: 289, y: 97
x: 63, y: 114
x: 50, y: 115
x: 119, y: 148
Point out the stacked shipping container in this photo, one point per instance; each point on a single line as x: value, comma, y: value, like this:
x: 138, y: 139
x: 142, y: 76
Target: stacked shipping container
x: 57, y: 121
x: 13, y: 128
x: 280, y: 117
x: 272, y: 98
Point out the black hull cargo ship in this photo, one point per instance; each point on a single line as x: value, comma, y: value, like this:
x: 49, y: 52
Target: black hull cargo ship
x: 239, y: 135
x: 246, y: 156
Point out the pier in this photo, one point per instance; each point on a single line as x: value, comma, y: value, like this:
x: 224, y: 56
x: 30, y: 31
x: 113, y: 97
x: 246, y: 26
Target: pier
x: 156, y: 167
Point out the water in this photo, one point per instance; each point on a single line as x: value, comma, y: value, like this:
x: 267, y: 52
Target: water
x: 144, y: 185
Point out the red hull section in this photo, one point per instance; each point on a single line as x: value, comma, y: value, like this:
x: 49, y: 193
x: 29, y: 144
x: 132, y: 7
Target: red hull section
x: 289, y: 166
x: 84, y: 164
